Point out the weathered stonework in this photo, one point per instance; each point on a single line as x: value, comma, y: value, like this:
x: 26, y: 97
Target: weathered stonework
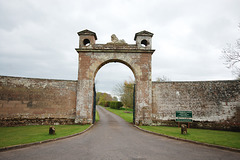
x: 214, y: 104
x: 93, y: 56
x: 36, y: 101
x: 28, y: 101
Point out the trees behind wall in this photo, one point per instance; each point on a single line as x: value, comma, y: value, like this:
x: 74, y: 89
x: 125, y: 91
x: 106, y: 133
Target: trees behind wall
x: 231, y: 55
x: 125, y: 92
x: 103, y: 97
x: 163, y: 79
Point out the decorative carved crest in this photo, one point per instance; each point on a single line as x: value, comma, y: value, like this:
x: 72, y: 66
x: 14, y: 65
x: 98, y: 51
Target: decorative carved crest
x: 115, y: 40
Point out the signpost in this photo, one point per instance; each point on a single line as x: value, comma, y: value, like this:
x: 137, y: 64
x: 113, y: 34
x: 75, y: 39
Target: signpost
x: 184, y: 116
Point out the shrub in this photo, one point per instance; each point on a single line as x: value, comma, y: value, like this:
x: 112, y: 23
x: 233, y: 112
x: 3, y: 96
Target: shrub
x: 107, y: 104
x: 100, y: 103
x: 115, y: 104
x: 104, y: 104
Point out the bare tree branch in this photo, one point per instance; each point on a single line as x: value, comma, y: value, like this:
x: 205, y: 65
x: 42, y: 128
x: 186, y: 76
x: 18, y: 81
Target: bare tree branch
x: 163, y: 79
x: 231, y: 55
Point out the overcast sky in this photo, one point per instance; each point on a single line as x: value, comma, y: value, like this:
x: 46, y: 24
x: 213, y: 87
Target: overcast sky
x: 38, y: 37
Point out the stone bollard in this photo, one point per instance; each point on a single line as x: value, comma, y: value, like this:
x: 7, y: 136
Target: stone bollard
x: 51, y: 130
x: 183, y: 129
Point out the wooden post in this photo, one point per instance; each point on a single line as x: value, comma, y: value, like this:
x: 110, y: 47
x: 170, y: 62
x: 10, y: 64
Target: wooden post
x: 52, y: 130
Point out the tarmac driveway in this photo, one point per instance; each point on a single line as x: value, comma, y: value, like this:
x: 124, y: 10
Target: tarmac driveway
x: 113, y: 138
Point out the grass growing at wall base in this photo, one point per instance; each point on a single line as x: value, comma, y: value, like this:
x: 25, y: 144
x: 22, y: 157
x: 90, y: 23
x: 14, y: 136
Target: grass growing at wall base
x: 97, y: 116
x: 222, y: 138
x: 10, y: 136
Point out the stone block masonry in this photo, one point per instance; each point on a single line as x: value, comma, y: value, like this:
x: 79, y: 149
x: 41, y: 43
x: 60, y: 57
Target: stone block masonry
x: 36, y: 101
x: 214, y: 104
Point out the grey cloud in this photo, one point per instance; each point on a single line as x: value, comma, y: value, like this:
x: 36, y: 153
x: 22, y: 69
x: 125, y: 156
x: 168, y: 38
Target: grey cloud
x: 38, y: 38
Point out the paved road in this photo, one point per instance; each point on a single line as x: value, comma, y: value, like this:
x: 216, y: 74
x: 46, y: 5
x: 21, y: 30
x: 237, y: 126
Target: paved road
x: 113, y: 138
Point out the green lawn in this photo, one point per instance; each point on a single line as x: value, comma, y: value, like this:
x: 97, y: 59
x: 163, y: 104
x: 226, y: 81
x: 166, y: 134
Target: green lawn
x: 216, y: 137
x: 126, y: 116
x: 222, y: 138
x: 10, y: 136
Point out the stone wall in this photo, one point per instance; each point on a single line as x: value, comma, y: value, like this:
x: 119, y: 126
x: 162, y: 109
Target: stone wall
x: 28, y: 101
x: 36, y: 101
x: 214, y: 104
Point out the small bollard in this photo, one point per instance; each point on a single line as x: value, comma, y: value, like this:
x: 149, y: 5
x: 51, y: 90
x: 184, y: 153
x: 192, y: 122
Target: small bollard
x: 183, y: 129
x: 51, y: 130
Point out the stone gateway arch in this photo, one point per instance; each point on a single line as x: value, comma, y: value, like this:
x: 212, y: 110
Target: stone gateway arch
x: 34, y: 101
x: 92, y: 56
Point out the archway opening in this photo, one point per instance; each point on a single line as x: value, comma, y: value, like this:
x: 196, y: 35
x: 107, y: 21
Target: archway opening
x: 86, y: 42
x: 114, y: 83
x: 144, y: 43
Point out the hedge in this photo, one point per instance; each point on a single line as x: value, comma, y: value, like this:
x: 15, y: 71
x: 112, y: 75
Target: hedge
x: 112, y: 104
x: 105, y: 104
x: 115, y: 104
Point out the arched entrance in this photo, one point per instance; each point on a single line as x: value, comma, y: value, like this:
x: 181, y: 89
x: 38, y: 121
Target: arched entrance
x: 110, y: 79
x: 93, y: 56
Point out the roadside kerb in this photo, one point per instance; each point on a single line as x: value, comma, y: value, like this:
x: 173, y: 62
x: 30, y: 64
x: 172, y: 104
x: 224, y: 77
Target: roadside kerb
x: 195, y: 142
x: 41, y: 142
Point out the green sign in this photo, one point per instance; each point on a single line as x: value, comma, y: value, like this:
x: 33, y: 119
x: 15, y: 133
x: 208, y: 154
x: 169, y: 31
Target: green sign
x: 184, y: 114
x: 183, y: 120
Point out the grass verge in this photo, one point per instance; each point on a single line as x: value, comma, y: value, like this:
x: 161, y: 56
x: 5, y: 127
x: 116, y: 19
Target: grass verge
x: 97, y: 116
x: 10, y: 136
x: 122, y: 113
x: 216, y: 137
